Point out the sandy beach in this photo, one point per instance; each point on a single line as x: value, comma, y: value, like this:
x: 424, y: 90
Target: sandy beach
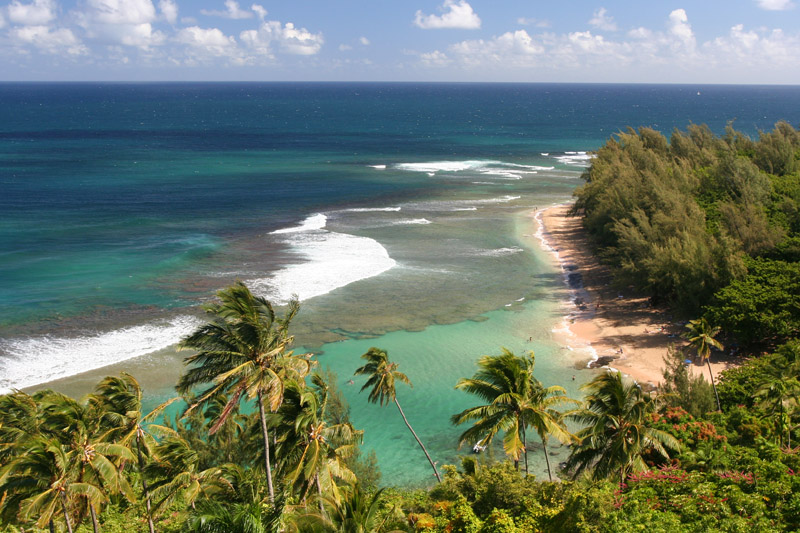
x: 621, y: 329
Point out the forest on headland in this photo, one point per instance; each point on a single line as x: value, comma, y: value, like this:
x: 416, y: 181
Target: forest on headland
x: 259, y: 438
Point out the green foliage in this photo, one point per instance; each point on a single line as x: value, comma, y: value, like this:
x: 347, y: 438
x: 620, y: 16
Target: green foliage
x: 764, y: 306
x: 676, y: 220
x: 682, y: 389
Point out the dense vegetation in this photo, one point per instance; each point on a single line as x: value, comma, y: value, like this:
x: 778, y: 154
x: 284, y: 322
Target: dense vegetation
x: 710, y: 225
x: 260, y: 439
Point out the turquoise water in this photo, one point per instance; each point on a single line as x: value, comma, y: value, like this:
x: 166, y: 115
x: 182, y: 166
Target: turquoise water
x: 395, y: 211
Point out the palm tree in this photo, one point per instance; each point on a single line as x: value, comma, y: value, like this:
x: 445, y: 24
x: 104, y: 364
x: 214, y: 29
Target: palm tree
x: 779, y: 392
x: 321, y: 448
x: 701, y: 337
x: 178, y: 472
x: 355, y: 512
x: 94, y: 460
x: 515, y: 400
x: 37, y: 483
x: 120, y: 401
x: 382, y: 375
x: 617, y: 430
x: 243, y: 352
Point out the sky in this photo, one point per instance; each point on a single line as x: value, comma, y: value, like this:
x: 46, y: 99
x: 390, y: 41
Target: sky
x: 604, y: 41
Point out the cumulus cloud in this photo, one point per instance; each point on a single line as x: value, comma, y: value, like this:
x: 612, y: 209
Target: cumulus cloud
x: 2, y: 21
x: 455, y: 15
x: 602, y: 21
x: 169, y: 10
x: 206, y: 43
x: 52, y: 41
x: 36, y: 13
x: 259, y: 10
x: 536, y: 23
x: 286, y: 38
x: 364, y: 41
x: 674, y: 48
x: 775, y: 5
x: 127, y: 22
x: 232, y: 11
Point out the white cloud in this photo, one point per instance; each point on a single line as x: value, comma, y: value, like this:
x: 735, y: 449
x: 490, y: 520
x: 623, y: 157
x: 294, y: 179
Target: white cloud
x: 456, y: 15
x: 259, y: 10
x: 205, y: 44
x: 602, y: 21
x: 536, y: 23
x: 364, y: 41
x: 287, y: 39
x: 2, y: 21
x: 59, y: 41
x: 345, y: 47
x: 669, y: 54
x: 169, y: 9
x: 232, y: 11
x: 775, y: 5
x: 127, y: 22
x: 680, y: 28
x: 434, y: 59
x: 37, y: 13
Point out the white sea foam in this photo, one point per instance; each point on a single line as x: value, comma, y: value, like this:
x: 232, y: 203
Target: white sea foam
x: 444, y: 166
x: 328, y: 260
x: 314, y: 222
x: 411, y: 221
x: 499, y: 252
x: 379, y: 167
x: 33, y: 360
x: 465, y: 209
x: 576, y: 159
x: 372, y: 209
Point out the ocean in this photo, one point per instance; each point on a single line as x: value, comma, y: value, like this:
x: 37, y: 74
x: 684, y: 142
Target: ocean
x: 398, y: 213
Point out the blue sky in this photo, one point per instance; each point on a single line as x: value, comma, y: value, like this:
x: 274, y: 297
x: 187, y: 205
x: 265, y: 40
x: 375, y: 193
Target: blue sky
x: 709, y: 41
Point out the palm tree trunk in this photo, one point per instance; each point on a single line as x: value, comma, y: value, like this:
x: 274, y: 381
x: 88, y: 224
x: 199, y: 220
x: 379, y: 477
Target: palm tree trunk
x: 319, y: 495
x: 525, y: 450
x: 436, y: 472
x: 145, y: 488
x: 95, y: 524
x: 711, y: 375
x: 547, y: 459
x: 51, y: 526
x: 66, y: 514
x: 266, y: 447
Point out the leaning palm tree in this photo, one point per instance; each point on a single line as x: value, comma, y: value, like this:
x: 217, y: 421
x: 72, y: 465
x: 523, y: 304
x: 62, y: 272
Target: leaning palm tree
x: 120, y: 401
x: 38, y: 485
x: 382, y: 375
x: 179, y: 474
x: 701, y: 337
x: 243, y: 352
x: 515, y: 400
x: 617, y: 432
x: 95, y: 461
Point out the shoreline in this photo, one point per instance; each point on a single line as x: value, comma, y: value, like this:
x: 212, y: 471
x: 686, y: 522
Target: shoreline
x: 617, y: 329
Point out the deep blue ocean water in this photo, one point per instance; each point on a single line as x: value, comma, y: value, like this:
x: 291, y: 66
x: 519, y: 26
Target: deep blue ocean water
x: 386, y: 207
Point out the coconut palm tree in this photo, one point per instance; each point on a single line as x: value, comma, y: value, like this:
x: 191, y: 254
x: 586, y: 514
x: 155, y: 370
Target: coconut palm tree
x: 617, y: 432
x: 355, y: 512
x: 243, y: 352
x: 37, y: 484
x: 119, y: 399
x: 320, y: 448
x: 515, y: 400
x: 382, y: 376
x: 779, y: 392
x: 701, y: 337
x: 178, y: 473
x: 94, y: 460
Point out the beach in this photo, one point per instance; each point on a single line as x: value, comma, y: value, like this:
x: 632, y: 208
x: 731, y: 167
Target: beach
x: 615, y: 327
